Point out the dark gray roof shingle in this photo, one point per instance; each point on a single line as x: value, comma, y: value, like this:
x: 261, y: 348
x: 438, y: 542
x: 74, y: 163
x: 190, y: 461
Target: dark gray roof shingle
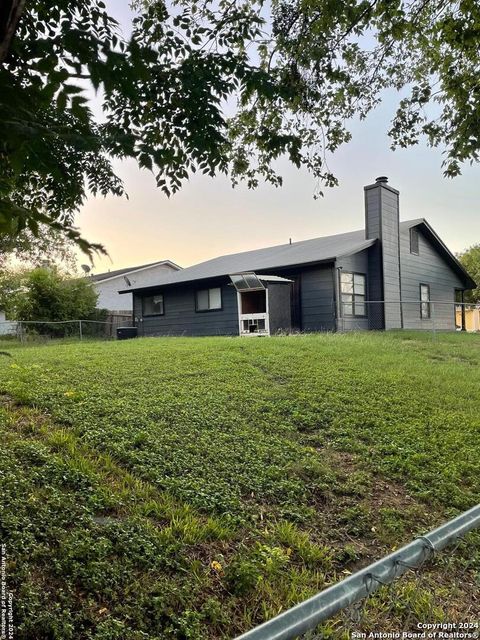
x: 324, y: 249
x: 284, y: 255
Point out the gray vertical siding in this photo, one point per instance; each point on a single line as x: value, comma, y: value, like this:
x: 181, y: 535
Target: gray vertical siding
x: 373, y: 220
x: 180, y: 317
x: 391, y: 258
x: 376, y: 318
x: 355, y: 263
x: 430, y: 268
x: 279, y: 307
x: 137, y: 308
x: 318, y: 299
x: 373, y: 229
x: 382, y: 222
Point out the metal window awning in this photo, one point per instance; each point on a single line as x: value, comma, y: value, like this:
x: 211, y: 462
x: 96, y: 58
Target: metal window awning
x: 250, y: 281
x: 246, y: 281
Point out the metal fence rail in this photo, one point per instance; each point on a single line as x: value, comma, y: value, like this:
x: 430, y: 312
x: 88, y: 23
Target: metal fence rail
x: 307, y: 615
x: 38, y: 330
x: 424, y: 315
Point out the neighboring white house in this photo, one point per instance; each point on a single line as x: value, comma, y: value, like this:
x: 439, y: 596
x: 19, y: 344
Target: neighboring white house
x: 110, y: 283
x: 6, y: 327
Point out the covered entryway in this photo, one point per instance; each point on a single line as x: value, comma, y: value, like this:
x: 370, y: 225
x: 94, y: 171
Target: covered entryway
x: 263, y: 303
x: 253, y: 314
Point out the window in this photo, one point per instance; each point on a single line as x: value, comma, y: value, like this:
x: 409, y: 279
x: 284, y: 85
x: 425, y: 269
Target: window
x: 414, y: 241
x: 253, y: 302
x: 153, y: 305
x: 253, y: 325
x: 425, y: 301
x: 353, y: 289
x: 209, y: 299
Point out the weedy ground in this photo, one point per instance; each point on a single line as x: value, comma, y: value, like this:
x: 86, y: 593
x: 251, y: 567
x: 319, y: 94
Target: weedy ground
x: 191, y: 488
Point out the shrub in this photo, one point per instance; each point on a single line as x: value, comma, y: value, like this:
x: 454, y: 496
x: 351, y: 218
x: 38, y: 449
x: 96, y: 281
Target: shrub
x: 51, y: 296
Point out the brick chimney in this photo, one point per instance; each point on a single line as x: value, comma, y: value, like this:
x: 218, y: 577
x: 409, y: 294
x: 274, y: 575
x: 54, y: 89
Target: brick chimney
x: 382, y: 221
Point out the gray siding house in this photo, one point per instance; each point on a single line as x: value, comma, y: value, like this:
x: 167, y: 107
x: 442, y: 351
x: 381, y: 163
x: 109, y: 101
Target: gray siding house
x: 388, y: 276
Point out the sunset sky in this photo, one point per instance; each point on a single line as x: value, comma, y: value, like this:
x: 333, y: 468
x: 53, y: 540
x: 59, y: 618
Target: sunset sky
x: 209, y: 218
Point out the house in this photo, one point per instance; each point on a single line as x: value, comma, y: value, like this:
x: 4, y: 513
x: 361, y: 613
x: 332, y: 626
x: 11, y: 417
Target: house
x: 109, y: 284
x: 389, y: 275
x: 7, y: 327
x: 468, y: 317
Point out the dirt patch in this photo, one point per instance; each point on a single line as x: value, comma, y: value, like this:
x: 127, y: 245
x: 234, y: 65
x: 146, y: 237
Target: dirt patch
x: 365, y: 515
x: 6, y: 401
x: 380, y: 492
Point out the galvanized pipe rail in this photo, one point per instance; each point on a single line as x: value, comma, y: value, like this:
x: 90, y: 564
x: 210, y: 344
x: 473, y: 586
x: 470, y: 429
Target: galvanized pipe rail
x: 308, y: 614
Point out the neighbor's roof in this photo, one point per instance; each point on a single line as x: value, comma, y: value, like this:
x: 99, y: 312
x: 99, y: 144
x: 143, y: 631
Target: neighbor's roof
x: 283, y: 255
x: 120, y: 272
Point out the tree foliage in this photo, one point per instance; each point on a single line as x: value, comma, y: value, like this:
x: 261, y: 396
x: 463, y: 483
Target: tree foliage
x: 47, y: 294
x: 226, y: 86
x: 349, y: 51
x: 49, y: 247
x: 471, y: 261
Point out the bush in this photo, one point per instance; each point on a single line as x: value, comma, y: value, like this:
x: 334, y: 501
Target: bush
x: 51, y: 296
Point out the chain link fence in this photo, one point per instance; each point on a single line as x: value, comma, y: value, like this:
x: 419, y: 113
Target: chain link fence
x: 423, y: 315
x: 399, y: 597
x: 354, y: 315
x: 415, y: 604
x: 42, y: 331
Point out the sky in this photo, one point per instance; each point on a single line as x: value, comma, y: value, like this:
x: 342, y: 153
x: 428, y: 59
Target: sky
x: 208, y: 217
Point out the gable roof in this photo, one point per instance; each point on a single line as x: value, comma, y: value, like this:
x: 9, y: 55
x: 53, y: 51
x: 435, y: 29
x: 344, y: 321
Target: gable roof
x: 99, y: 277
x: 442, y: 248
x: 316, y: 250
x: 324, y: 249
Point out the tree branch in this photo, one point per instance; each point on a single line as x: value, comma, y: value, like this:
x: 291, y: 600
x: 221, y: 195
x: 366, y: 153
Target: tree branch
x: 10, y: 13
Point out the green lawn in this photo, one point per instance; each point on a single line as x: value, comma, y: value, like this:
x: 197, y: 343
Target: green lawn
x: 191, y: 488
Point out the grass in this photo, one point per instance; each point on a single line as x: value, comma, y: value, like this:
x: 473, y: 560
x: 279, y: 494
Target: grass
x: 191, y: 488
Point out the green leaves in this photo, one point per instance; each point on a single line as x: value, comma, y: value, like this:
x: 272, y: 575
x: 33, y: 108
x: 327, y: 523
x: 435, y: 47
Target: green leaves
x: 351, y: 51
x: 49, y: 295
x: 222, y: 88
x: 111, y: 488
x: 471, y: 261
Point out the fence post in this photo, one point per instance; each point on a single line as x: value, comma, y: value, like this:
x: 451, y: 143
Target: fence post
x: 20, y: 327
x: 434, y: 329
x: 80, y: 330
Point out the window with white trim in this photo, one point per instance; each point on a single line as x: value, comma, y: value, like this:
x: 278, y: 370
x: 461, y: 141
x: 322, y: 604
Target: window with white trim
x: 153, y: 305
x: 424, y: 301
x: 353, y: 292
x: 209, y: 299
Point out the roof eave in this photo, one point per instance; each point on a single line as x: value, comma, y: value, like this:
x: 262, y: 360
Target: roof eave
x: 134, y: 270
x: 458, y: 266
x: 162, y: 285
